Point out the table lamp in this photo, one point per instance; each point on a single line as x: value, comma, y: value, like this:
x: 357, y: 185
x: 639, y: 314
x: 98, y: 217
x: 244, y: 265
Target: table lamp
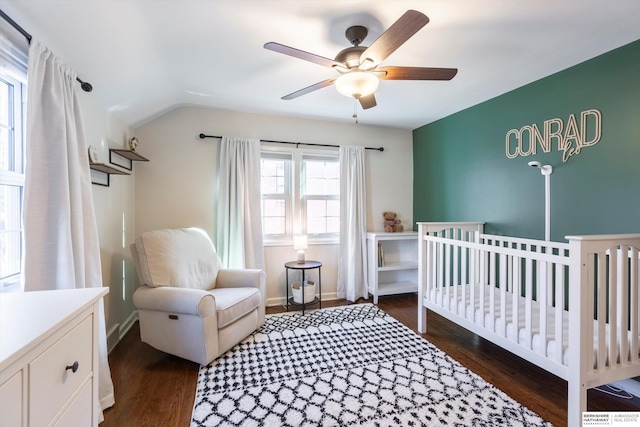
x: 300, y: 244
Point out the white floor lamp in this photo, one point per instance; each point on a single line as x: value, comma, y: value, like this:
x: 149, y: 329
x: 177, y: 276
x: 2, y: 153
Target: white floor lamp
x: 545, y: 170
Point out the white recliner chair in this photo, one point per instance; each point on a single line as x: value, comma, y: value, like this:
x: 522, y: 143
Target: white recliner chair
x: 187, y: 304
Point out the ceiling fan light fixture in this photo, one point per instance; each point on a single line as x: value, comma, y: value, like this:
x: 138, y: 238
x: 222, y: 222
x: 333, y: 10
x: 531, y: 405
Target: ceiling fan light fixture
x: 357, y: 84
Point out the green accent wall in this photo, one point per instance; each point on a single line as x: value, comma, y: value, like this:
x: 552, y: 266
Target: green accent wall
x: 461, y: 171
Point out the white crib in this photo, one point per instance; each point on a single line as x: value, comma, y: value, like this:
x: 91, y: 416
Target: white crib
x: 576, y: 303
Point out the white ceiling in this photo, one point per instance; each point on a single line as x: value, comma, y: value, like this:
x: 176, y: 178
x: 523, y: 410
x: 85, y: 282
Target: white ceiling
x: 146, y: 57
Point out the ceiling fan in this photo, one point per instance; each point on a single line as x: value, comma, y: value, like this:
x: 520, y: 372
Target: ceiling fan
x: 358, y: 65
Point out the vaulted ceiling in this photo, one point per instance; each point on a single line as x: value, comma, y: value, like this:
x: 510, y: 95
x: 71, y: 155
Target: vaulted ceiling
x: 146, y: 57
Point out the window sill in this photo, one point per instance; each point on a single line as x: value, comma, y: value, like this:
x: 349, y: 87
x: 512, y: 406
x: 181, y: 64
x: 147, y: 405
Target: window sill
x: 316, y: 242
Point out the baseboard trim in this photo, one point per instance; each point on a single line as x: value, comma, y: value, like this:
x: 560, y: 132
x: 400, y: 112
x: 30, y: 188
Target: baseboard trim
x: 133, y: 318
x: 118, y: 331
x: 113, y: 337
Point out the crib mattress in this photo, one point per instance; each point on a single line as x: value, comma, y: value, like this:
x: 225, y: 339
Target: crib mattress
x: 530, y: 339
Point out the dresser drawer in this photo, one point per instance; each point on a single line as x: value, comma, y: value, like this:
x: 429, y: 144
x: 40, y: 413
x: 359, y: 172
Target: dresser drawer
x: 11, y: 402
x: 51, y: 383
x: 79, y: 412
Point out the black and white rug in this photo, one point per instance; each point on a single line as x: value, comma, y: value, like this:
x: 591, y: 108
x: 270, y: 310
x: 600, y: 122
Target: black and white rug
x: 352, y: 365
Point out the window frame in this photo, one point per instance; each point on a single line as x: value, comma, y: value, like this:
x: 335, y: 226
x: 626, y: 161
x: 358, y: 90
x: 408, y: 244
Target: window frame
x: 14, y: 175
x: 286, y: 196
x: 304, y: 197
x: 296, y: 204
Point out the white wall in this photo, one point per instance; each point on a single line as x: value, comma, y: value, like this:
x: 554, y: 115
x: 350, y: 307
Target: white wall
x: 177, y: 187
x: 114, y: 208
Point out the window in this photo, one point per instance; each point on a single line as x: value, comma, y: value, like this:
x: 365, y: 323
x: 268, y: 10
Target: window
x: 321, y: 195
x: 275, y: 186
x: 300, y: 195
x: 12, y: 97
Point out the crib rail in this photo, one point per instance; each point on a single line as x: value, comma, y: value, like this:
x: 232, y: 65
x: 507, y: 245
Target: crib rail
x: 515, y: 289
x: 604, y: 313
x: 571, y: 308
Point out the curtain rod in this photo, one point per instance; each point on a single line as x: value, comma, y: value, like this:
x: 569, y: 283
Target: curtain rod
x: 86, y: 86
x: 203, y: 136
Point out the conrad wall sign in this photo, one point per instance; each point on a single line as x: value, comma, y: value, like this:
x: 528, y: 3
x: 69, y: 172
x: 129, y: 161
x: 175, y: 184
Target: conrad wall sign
x: 569, y: 136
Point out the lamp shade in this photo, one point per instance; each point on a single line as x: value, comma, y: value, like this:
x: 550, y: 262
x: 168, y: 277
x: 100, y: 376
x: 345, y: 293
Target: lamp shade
x: 299, y: 242
x: 357, y: 84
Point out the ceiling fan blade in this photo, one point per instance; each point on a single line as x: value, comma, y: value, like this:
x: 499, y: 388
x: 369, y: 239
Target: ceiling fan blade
x: 398, y: 33
x: 417, y: 73
x: 308, y: 89
x: 301, y: 54
x: 368, y: 101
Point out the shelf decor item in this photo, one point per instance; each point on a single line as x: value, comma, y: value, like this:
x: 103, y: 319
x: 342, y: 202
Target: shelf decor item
x: 133, y: 144
x: 93, y: 154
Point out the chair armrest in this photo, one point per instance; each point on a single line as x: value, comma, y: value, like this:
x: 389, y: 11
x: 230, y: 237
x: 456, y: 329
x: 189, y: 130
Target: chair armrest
x: 238, y: 278
x: 175, y: 300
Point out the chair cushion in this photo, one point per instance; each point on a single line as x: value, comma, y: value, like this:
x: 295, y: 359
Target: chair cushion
x: 233, y: 303
x: 183, y: 258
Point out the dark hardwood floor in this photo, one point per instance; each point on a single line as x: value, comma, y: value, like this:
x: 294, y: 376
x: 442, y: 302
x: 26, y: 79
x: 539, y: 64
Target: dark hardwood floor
x: 155, y: 389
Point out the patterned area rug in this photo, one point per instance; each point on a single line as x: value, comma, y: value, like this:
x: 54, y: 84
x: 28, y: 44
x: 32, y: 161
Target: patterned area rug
x: 352, y: 365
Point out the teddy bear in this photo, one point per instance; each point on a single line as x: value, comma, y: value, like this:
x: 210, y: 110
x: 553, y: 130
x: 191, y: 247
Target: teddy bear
x: 391, y: 223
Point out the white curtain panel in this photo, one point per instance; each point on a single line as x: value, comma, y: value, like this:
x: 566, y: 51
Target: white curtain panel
x: 352, y: 255
x: 61, y: 249
x: 238, y: 234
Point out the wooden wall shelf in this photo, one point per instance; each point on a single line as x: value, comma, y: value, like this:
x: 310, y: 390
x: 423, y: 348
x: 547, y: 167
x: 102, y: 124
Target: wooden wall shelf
x: 104, y: 168
x: 108, y: 170
x: 129, y: 155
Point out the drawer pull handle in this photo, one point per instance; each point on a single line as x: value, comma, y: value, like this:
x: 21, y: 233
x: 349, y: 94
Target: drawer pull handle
x: 173, y: 316
x: 73, y: 367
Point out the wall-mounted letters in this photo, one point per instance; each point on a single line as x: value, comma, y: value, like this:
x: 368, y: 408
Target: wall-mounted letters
x: 570, y: 137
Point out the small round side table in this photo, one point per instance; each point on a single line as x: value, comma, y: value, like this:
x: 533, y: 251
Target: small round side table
x: 303, y: 267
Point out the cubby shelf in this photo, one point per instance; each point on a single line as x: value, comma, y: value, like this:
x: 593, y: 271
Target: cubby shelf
x: 393, y: 263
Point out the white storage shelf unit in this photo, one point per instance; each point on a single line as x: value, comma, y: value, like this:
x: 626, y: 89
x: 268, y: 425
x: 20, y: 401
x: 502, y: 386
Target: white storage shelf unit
x: 399, y: 272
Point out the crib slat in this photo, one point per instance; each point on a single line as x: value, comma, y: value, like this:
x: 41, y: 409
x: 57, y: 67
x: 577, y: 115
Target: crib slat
x: 447, y: 273
x: 543, y: 280
x: 431, y: 273
x: 492, y: 291
x: 613, y: 306
x: 481, y: 286
x: 634, y: 261
x: 602, y: 310
x: 472, y: 283
x: 456, y: 276
x: 559, y: 309
x: 516, y: 289
x: 465, y: 279
x: 503, y: 294
x: 623, y: 305
x: 528, y: 298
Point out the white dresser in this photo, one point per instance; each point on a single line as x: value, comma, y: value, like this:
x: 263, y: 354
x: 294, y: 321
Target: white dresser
x: 48, y: 358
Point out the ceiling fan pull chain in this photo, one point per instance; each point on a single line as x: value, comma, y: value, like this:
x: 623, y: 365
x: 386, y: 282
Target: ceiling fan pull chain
x: 355, y: 110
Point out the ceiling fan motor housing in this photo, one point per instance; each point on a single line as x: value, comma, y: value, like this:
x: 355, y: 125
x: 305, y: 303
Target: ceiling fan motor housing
x: 350, y: 56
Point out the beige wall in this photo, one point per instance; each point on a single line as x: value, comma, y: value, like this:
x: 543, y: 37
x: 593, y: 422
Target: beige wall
x: 114, y: 208
x: 177, y: 187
